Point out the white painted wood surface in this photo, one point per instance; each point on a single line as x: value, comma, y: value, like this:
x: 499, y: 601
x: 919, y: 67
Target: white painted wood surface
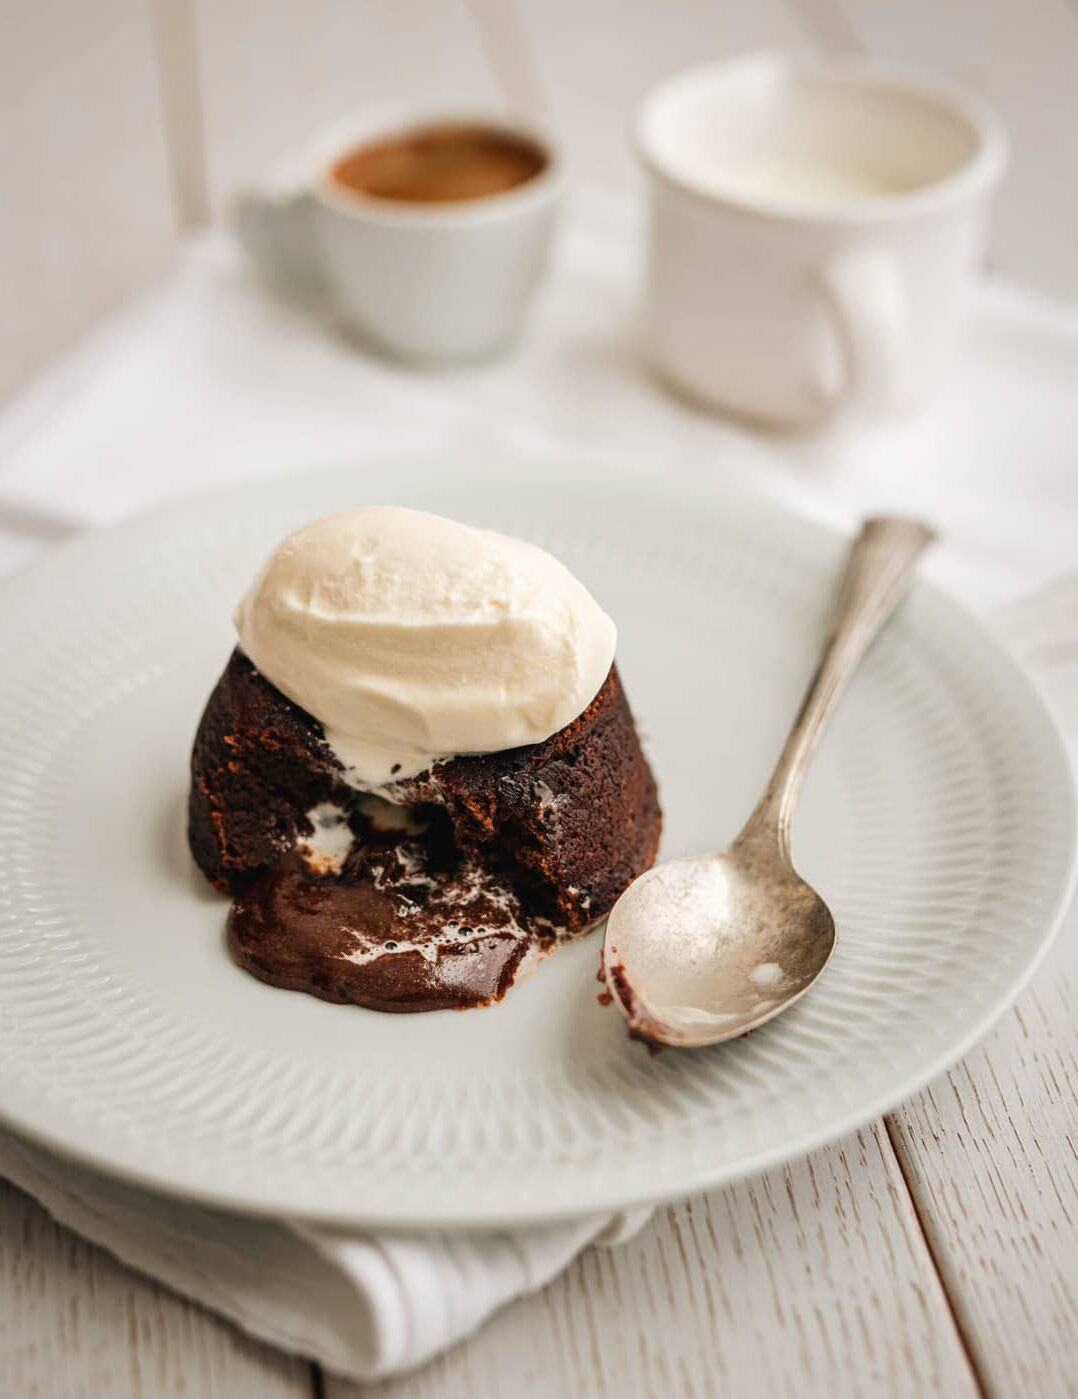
x: 86, y: 212
x: 988, y: 1152
x: 933, y: 1254
x: 811, y: 1281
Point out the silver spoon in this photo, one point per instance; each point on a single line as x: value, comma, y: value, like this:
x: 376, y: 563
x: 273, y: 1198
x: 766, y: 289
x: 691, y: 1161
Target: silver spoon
x: 704, y: 949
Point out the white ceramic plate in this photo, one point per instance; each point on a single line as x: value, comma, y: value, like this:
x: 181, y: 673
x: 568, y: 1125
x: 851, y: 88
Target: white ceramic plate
x: 938, y: 822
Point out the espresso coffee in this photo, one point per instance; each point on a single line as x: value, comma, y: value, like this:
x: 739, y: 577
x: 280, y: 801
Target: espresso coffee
x: 440, y: 164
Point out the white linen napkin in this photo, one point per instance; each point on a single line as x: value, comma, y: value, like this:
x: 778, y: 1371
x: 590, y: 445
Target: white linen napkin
x: 363, y: 1305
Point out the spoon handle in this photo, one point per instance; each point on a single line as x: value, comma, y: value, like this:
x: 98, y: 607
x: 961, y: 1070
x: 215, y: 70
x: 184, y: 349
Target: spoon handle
x: 881, y: 564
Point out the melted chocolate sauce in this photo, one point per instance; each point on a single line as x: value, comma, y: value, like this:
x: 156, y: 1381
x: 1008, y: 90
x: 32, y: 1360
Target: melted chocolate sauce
x: 405, y: 926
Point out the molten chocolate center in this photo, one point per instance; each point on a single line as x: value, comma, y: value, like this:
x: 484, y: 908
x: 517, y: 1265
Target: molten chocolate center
x: 404, y: 923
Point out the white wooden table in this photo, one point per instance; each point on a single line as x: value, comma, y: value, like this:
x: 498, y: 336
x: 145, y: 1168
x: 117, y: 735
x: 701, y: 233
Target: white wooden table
x: 932, y: 1253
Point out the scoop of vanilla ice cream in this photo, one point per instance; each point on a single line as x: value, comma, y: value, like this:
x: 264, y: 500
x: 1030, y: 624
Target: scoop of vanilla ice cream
x: 413, y: 638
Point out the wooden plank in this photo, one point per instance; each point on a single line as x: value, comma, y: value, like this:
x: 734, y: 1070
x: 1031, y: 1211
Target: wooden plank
x: 989, y: 1152
x: 271, y: 72
x: 989, y: 1156
x: 181, y: 106
x: 595, y: 61
x: 75, y: 1324
x: 809, y: 1281
x: 1023, y: 57
x: 87, y: 214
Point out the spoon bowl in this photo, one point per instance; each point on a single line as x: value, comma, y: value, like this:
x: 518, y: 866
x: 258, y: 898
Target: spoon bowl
x: 707, y: 948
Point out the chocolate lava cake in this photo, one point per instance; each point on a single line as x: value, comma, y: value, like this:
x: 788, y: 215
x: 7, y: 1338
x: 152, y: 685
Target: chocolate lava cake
x: 438, y: 890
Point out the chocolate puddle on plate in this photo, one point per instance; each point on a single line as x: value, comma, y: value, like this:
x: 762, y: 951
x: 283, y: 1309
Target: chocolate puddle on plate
x: 401, y: 924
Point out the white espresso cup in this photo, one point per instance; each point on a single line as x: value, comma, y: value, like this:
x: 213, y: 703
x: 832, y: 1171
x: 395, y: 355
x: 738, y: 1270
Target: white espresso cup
x: 423, y: 281
x: 815, y: 231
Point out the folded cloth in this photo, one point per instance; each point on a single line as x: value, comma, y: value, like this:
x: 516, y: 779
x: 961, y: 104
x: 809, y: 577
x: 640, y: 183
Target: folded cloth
x: 364, y: 1304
